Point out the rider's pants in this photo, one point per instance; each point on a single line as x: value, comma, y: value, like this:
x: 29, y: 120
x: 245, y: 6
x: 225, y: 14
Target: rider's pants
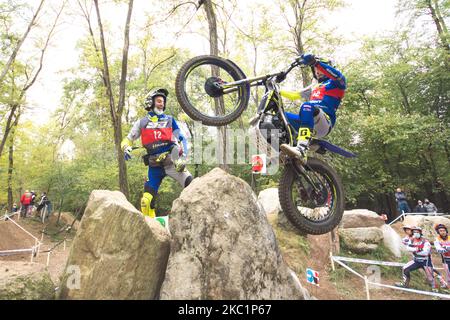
x: 426, y: 264
x: 156, y: 174
x: 313, y: 117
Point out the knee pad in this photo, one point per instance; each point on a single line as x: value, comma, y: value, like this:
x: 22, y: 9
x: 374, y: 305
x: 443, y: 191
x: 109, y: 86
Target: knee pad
x: 304, y: 134
x: 146, y: 205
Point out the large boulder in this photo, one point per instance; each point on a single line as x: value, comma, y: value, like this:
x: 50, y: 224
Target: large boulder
x: 118, y: 253
x: 360, y: 218
x: 361, y: 240
x: 427, y: 223
x: 393, y: 241
x: 25, y: 281
x: 270, y: 201
x: 223, y: 246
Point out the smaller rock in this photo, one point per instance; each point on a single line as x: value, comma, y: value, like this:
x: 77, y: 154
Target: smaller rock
x: 25, y: 281
x: 360, y: 218
x: 393, y: 241
x: 269, y: 200
x: 361, y: 240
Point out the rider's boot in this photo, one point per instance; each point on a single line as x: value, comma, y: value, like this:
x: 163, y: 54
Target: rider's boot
x: 403, y: 284
x: 300, y: 151
x: 146, y: 202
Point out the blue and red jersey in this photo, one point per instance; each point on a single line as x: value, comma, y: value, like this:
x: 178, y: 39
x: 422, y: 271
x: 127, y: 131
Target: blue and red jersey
x: 328, y: 93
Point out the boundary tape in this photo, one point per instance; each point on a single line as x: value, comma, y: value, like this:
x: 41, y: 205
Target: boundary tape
x: 367, y: 282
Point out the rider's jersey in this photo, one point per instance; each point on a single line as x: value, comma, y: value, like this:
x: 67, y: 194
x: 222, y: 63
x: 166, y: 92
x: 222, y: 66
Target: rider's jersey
x: 420, y: 248
x: 328, y: 93
x: 158, y: 133
x: 441, y: 244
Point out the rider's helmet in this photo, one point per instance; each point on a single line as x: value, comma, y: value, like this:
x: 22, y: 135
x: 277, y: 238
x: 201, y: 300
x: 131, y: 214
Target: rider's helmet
x: 322, y: 77
x: 149, y: 102
x: 440, y: 226
x: 406, y: 228
x: 416, y: 229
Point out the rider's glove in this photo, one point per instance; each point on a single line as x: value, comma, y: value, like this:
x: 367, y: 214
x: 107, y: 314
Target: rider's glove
x: 308, y: 59
x: 127, y: 152
x: 180, y: 165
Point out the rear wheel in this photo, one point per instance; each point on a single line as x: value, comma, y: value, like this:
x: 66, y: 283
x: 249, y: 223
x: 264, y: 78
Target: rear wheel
x: 199, y: 89
x: 312, y: 210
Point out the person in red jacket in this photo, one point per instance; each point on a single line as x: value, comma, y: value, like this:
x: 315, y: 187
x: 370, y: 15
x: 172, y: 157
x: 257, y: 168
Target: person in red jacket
x: 25, y: 201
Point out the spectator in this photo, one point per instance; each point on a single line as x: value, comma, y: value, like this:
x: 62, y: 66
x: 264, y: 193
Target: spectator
x: 14, y: 208
x: 430, y: 207
x: 33, y: 197
x: 420, y: 207
x: 408, y: 237
x: 402, y: 204
x: 42, y: 202
x: 25, y: 200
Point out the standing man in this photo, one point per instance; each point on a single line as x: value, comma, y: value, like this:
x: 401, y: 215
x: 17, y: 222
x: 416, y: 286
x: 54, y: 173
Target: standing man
x: 429, y: 206
x: 160, y: 136
x: 420, y: 208
x: 402, y: 204
x: 25, y: 201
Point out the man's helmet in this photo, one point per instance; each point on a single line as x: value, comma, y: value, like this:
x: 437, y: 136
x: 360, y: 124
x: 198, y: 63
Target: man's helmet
x: 406, y: 228
x: 149, y: 99
x: 440, y: 226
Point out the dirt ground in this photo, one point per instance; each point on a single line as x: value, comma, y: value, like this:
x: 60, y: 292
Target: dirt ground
x: 12, y: 237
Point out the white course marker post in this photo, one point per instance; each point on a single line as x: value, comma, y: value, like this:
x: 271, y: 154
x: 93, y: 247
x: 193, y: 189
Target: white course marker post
x: 366, y: 283
x: 332, y: 261
x: 48, y: 258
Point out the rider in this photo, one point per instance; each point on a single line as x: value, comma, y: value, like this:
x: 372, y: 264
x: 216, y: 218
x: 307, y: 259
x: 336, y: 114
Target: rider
x: 165, y: 156
x: 442, y: 245
x: 407, y: 230
x: 421, y: 250
x: 318, y: 115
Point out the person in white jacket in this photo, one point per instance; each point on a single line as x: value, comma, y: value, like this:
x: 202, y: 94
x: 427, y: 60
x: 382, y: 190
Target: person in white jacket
x: 421, y: 250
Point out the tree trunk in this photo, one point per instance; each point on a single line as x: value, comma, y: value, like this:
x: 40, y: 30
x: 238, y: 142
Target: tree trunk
x: 8, y: 126
x: 19, y: 44
x: 219, y: 103
x: 440, y: 23
x: 10, y: 174
x: 60, y: 208
x: 116, y: 114
x: 299, y: 13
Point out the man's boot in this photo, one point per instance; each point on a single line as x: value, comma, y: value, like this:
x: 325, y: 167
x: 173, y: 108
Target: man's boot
x: 304, y: 137
x: 146, y: 202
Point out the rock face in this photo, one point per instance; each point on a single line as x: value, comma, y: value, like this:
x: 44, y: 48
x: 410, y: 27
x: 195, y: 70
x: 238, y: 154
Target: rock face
x: 360, y: 218
x: 427, y: 223
x: 25, y: 281
x: 119, y: 254
x: 223, y: 246
x: 269, y: 200
x: 393, y: 241
x: 361, y: 240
